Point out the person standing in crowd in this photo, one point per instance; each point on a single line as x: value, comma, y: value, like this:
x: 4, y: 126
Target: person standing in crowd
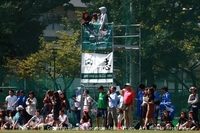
x: 17, y: 94
x: 9, y: 101
x: 149, y: 119
x: 21, y: 99
x: 156, y: 94
x: 47, y: 103
x: 55, y: 100
x: 102, y: 104
x: 70, y: 112
x: 129, y: 97
x: 77, y: 104
x: 192, y: 101
x: 166, y: 97
x: 120, y: 109
x: 87, y: 100
x: 31, y: 103
x: 139, y: 99
x: 144, y: 106
x: 156, y: 101
x: 64, y: 102
x: 112, y: 107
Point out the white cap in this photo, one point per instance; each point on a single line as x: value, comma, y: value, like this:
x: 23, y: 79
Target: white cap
x: 127, y: 84
x: 59, y: 91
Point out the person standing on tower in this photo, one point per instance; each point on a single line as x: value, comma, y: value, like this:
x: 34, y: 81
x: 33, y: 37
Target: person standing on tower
x: 103, y: 19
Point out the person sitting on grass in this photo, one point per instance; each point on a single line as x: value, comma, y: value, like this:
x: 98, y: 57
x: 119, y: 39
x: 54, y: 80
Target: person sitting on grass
x: 48, y: 123
x: 3, y: 120
x: 8, y: 122
x: 166, y: 122
x: 183, y: 119
x: 85, y: 121
x: 34, y: 122
x: 63, y: 119
x: 49, y: 120
x: 18, y: 119
x: 191, y: 123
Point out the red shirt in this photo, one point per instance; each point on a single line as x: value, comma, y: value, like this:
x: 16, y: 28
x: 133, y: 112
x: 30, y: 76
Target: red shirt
x: 129, y: 95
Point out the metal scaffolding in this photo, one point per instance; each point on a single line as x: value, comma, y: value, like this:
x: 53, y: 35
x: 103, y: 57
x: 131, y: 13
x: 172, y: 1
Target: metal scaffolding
x: 126, y: 40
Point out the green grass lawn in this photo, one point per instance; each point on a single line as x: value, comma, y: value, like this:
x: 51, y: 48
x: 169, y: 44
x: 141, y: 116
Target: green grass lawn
x: 106, y: 131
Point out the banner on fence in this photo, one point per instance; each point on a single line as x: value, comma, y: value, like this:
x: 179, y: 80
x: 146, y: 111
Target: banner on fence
x: 97, y: 68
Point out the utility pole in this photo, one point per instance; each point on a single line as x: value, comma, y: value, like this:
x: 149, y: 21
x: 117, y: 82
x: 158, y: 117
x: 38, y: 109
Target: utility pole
x: 54, y: 52
x: 54, y: 67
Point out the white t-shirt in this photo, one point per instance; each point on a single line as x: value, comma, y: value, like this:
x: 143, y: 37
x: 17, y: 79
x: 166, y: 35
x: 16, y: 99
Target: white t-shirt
x: 78, y: 102
x: 121, y: 100
x: 9, y: 120
x: 10, y: 101
x: 38, y: 118
x: 31, y: 108
x: 50, y: 119
x: 145, y: 99
x: 87, y: 100
x: 62, y: 118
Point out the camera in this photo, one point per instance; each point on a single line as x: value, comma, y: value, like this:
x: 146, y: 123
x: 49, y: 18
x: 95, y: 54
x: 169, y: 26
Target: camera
x: 29, y: 100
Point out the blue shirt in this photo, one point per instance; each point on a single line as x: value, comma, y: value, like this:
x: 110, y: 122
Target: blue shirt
x: 113, y: 100
x: 156, y: 95
x: 22, y: 101
x: 139, y: 97
x: 18, y: 98
x: 166, y: 98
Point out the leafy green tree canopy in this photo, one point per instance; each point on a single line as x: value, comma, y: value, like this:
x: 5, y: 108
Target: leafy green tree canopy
x: 21, y: 25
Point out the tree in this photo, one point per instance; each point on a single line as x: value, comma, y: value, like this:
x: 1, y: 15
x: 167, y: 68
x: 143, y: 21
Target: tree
x: 169, y: 39
x: 21, y: 26
x: 41, y: 64
x: 170, y: 34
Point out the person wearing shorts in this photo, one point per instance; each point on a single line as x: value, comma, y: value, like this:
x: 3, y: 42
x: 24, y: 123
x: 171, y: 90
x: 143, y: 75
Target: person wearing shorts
x: 102, y: 107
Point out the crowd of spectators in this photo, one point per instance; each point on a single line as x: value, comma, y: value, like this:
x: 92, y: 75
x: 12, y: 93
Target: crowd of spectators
x: 21, y: 111
x: 116, y: 110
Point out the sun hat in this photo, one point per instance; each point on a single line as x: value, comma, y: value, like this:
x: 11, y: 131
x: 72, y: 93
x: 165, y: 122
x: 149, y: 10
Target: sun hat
x: 192, y: 88
x: 20, y: 107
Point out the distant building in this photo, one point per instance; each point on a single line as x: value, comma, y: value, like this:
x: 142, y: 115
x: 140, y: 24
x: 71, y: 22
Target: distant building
x: 49, y: 32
